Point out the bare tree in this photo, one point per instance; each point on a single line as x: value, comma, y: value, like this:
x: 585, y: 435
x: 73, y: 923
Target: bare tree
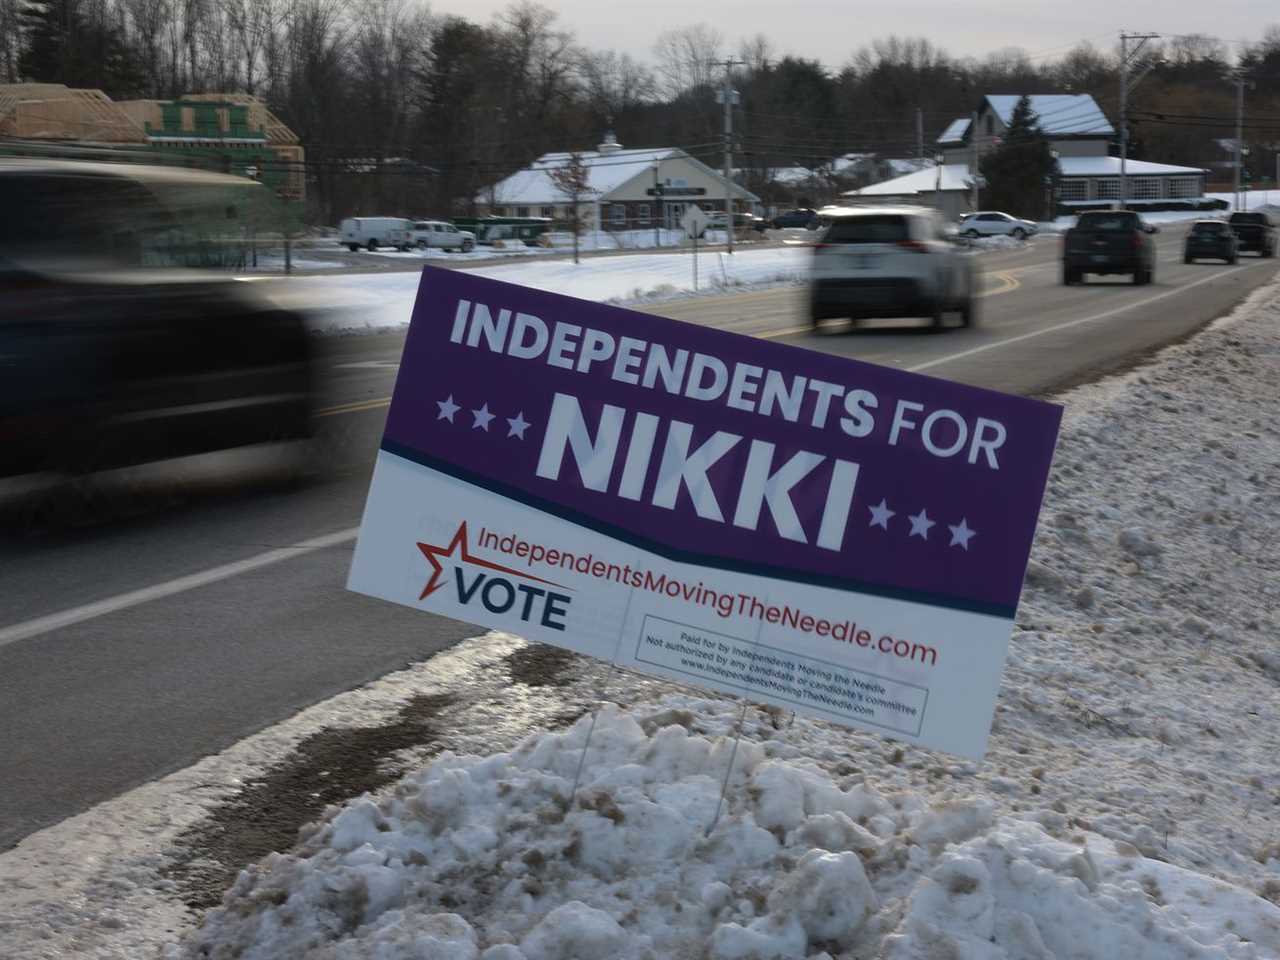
x: 573, y: 179
x: 687, y: 57
x: 614, y: 83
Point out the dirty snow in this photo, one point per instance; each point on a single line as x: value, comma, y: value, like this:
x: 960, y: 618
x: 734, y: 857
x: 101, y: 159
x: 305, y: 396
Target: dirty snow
x: 1127, y: 806
x: 379, y: 301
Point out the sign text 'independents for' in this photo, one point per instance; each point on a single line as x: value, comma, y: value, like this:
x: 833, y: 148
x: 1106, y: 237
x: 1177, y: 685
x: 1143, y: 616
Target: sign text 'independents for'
x: 750, y: 388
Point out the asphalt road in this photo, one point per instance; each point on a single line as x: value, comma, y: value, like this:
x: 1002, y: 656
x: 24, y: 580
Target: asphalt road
x: 148, y: 621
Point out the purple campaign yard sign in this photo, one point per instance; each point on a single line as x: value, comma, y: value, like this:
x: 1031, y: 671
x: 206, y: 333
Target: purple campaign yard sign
x: 832, y: 536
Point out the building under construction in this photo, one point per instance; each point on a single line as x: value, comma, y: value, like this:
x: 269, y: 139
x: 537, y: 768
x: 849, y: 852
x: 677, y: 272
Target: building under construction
x: 231, y: 132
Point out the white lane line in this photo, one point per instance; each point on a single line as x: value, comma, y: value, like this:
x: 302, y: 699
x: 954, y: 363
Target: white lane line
x: 1105, y: 315
x: 74, y: 615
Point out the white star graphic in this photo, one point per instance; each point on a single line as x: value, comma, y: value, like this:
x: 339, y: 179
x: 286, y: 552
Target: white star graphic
x: 518, y: 425
x: 483, y: 416
x: 920, y: 524
x: 961, y: 534
x: 447, y: 408
x: 881, y: 513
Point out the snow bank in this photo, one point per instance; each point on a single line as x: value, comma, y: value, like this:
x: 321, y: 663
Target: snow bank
x: 1126, y: 807
x: 380, y: 301
x: 490, y: 857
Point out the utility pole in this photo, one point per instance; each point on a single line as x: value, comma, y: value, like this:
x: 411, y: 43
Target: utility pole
x: 977, y: 160
x: 919, y: 133
x: 728, y: 96
x: 1239, y: 78
x: 1142, y: 38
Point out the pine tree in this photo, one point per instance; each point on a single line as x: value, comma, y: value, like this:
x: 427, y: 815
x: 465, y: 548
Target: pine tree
x: 1019, y: 170
x: 65, y: 46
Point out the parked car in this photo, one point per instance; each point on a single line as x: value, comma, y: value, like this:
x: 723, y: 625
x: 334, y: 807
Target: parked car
x: 374, y: 232
x: 1210, y: 239
x: 889, y: 262
x: 994, y: 224
x: 1109, y: 241
x: 796, y: 218
x: 109, y: 356
x: 741, y: 221
x: 437, y: 233
x: 1255, y: 231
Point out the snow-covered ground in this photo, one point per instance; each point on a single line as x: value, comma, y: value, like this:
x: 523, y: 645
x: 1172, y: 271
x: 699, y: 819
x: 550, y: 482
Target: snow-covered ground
x: 1127, y: 807
x: 562, y: 242
x: 378, y: 301
x: 273, y: 262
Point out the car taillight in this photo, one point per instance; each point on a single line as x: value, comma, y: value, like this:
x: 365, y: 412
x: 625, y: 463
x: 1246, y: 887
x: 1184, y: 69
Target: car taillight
x: 1137, y: 241
x: 916, y: 246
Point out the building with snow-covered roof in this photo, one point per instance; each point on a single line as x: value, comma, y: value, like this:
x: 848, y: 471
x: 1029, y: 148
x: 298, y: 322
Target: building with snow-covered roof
x: 626, y: 189
x: 1080, y: 135
x: 946, y: 188
x: 1073, y: 123
x: 1091, y: 180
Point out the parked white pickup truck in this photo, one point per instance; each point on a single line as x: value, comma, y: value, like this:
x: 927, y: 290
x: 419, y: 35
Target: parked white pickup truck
x: 374, y: 232
x: 437, y: 233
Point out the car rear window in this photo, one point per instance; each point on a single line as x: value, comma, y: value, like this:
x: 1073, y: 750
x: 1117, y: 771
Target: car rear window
x: 888, y: 228
x: 1208, y: 228
x: 1249, y: 218
x: 1108, y: 222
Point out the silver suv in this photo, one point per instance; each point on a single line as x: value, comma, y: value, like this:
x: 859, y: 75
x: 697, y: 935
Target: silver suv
x: 889, y: 262
x: 437, y: 233
x: 989, y: 223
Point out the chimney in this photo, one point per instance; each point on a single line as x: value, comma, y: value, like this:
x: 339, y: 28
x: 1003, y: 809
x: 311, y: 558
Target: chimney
x: 609, y: 145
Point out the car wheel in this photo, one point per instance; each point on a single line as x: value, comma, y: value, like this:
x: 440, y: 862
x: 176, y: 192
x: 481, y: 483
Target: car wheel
x: 969, y: 311
x: 1018, y: 233
x: 467, y: 246
x: 353, y: 247
x: 1187, y: 258
x: 972, y: 234
x: 1232, y: 259
x: 937, y: 316
x: 1069, y: 277
x: 422, y: 244
x: 372, y: 245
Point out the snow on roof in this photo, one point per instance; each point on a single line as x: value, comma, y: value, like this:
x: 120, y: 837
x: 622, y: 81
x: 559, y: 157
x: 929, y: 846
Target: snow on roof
x: 606, y: 172
x: 900, y: 165
x: 955, y: 176
x: 1059, y: 114
x: 794, y: 175
x: 955, y: 131
x: 1110, y: 167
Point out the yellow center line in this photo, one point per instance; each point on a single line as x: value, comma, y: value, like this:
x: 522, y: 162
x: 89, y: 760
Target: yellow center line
x: 1008, y: 283
x: 354, y: 407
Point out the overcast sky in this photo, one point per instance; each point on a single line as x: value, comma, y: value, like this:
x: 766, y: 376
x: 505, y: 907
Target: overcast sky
x: 828, y: 30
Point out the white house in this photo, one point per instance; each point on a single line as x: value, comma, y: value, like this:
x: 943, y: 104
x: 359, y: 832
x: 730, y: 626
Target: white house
x: 1073, y: 123
x: 1080, y: 135
x: 627, y: 189
x: 946, y: 187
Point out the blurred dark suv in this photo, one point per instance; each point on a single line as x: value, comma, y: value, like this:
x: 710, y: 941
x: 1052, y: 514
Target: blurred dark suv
x: 110, y: 353
x: 796, y: 218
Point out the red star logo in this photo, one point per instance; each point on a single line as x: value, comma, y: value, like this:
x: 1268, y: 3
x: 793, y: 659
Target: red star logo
x: 430, y: 551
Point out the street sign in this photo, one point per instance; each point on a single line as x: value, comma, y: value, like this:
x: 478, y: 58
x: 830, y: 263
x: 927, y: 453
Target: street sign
x: 803, y: 529
x: 694, y: 222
